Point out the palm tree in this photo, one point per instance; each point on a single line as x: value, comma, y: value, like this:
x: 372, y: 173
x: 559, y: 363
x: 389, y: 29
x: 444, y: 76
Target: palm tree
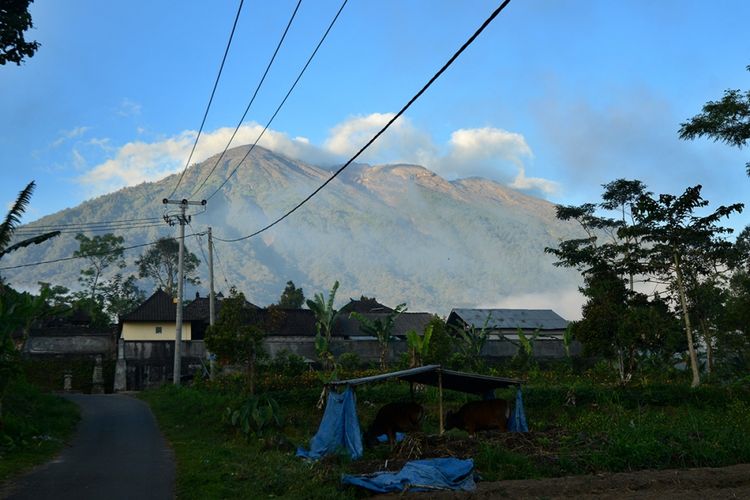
x: 12, y: 221
x: 17, y: 310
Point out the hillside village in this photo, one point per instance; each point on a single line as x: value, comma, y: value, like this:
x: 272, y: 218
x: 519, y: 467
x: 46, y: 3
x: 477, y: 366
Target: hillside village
x: 142, y: 343
x: 453, y: 249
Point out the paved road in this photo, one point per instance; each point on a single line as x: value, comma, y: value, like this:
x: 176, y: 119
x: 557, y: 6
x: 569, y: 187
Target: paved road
x: 117, y: 452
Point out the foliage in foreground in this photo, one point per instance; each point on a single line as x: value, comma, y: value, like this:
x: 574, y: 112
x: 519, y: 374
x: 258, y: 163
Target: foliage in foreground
x: 577, y: 428
x: 36, y: 426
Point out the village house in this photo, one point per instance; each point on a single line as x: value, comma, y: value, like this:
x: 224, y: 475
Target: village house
x: 544, y: 326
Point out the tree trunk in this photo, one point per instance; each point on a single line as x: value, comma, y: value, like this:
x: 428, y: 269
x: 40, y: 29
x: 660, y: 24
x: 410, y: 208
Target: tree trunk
x: 709, y: 347
x: 251, y: 375
x: 621, y: 365
x: 688, y: 328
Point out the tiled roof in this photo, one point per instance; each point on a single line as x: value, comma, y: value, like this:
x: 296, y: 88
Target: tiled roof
x: 364, y: 305
x: 159, y: 307
x: 349, y: 327
x: 289, y: 322
x: 542, y: 319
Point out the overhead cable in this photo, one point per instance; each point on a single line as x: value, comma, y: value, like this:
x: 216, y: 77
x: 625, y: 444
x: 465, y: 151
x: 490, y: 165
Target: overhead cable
x: 63, y: 225
x: 268, y: 124
x: 210, y: 100
x: 252, y: 99
x: 30, y: 231
x: 382, y: 130
x: 93, y: 254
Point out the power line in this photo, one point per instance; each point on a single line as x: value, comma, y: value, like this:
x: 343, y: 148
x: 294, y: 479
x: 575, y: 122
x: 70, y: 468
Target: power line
x: 82, y: 224
x: 268, y: 124
x: 63, y: 259
x: 382, y: 130
x: 210, y: 100
x: 200, y: 244
x: 32, y: 231
x: 221, y: 266
x: 252, y: 99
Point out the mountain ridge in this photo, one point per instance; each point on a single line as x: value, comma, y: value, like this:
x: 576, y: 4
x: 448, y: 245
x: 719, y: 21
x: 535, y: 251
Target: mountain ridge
x: 398, y: 232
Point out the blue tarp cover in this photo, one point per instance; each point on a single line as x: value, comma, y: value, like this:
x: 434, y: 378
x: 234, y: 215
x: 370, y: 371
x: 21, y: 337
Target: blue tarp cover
x: 339, y: 428
x: 420, y: 475
x: 517, y: 420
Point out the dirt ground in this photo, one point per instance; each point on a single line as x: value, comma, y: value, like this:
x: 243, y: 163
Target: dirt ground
x: 706, y: 483
x: 698, y: 483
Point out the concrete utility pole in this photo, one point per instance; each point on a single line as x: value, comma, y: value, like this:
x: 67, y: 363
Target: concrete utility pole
x: 182, y: 219
x: 211, y: 301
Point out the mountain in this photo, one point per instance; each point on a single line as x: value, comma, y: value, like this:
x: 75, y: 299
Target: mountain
x: 400, y: 233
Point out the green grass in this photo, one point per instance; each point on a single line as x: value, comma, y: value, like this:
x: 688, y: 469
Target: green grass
x: 36, y: 426
x: 576, y: 428
x: 214, y: 462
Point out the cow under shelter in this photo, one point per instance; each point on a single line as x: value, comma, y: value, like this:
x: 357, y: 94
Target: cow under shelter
x: 340, y: 424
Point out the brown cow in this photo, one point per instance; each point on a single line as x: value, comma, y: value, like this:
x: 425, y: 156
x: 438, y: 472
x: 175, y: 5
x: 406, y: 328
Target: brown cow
x: 480, y: 416
x: 393, y: 418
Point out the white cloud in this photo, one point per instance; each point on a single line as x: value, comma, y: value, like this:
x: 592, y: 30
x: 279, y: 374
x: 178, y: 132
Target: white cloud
x: 66, y: 135
x: 129, y: 108
x: 487, y: 152
x: 402, y: 142
x: 141, y: 161
x: 534, y: 183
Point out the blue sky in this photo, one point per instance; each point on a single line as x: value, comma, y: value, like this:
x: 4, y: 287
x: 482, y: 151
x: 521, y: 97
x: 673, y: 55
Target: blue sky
x: 555, y: 98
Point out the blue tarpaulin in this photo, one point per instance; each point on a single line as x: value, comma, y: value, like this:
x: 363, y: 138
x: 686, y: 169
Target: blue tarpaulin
x: 339, y: 428
x: 517, y: 420
x: 420, y: 475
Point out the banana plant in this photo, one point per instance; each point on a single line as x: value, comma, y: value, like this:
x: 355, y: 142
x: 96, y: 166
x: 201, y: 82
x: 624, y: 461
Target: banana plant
x: 381, y: 329
x: 325, y: 316
x: 418, y: 345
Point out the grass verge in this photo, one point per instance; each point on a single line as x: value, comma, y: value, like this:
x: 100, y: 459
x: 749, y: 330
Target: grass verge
x: 35, y: 427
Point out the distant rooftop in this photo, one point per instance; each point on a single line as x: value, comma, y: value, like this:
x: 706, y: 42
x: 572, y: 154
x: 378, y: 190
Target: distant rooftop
x: 499, y: 319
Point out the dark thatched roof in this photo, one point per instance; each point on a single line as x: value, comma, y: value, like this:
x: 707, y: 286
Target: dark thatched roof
x: 349, y: 327
x: 364, y: 305
x: 159, y: 307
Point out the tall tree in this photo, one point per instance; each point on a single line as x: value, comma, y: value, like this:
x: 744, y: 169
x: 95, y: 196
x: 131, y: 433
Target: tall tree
x: 160, y: 263
x: 606, y: 248
x: 101, y: 253
x: 620, y: 325
x: 726, y: 120
x: 292, y: 297
x: 237, y: 336
x: 121, y: 295
x: 14, y: 21
x: 681, y: 246
x: 604, y: 243
x: 381, y: 328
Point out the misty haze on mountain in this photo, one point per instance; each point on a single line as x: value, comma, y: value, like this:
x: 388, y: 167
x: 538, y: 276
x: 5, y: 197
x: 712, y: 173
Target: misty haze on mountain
x: 400, y: 233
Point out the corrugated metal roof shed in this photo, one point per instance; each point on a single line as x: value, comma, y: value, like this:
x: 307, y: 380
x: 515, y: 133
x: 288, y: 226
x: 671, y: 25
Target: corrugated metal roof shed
x: 500, y: 319
x: 435, y: 375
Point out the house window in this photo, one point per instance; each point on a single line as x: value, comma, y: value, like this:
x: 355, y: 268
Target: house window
x: 158, y: 329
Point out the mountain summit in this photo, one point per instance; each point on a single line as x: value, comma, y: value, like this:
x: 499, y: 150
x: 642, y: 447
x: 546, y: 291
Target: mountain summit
x: 400, y: 233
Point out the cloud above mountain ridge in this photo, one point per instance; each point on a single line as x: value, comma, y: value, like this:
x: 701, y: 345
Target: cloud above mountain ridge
x: 487, y: 152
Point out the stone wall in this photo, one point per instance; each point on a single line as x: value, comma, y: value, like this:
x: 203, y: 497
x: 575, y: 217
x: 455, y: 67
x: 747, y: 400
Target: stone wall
x: 71, y: 345
x: 151, y: 364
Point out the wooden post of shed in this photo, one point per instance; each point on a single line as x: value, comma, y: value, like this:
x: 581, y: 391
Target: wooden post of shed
x: 440, y: 400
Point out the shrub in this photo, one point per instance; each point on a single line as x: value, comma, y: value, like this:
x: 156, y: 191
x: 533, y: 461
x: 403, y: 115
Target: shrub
x: 349, y: 361
x: 255, y: 416
x: 288, y: 364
